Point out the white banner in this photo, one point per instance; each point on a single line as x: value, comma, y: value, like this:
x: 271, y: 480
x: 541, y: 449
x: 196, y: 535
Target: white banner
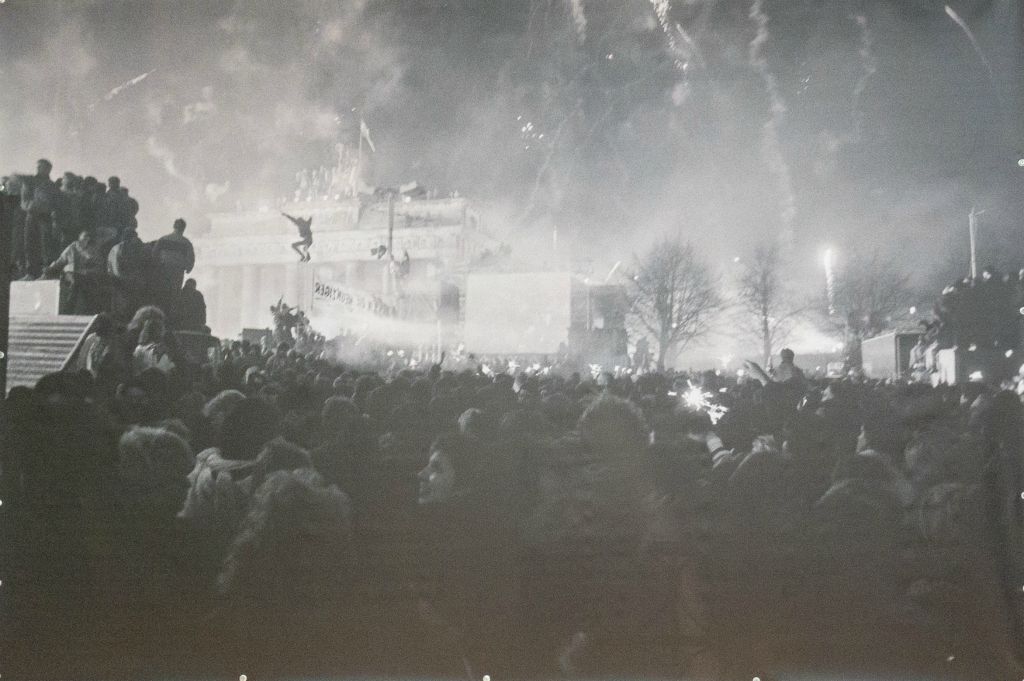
x: 334, y: 295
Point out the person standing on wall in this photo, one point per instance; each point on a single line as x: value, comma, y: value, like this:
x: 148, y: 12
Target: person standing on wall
x: 174, y: 255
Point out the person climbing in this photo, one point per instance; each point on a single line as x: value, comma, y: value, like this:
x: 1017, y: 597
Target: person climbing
x: 306, y: 232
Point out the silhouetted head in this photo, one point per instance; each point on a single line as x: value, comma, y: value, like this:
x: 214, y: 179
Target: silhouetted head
x: 787, y: 355
x: 43, y: 167
x: 179, y: 225
x: 247, y: 427
x: 114, y: 183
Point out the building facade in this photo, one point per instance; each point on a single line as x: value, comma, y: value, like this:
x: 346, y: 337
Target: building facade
x: 245, y: 263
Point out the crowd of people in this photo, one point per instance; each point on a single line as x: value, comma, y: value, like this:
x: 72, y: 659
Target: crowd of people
x: 980, y: 315
x: 274, y: 513
x: 982, y: 311
x: 271, y: 511
x: 85, y: 233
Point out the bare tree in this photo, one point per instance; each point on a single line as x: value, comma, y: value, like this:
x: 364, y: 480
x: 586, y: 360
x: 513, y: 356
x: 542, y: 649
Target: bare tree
x: 673, y: 297
x: 764, y: 307
x: 869, y: 293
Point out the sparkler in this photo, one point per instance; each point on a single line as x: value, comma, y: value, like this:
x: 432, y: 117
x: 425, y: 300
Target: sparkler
x: 698, y: 400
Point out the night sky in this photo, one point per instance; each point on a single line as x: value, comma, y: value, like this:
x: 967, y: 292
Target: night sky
x: 595, y: 117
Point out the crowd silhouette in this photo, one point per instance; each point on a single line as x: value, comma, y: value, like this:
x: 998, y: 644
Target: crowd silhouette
x: 273, y: 512
x: 85, y: 232
x: 278, y: 514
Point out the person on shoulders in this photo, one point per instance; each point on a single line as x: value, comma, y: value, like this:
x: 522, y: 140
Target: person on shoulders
x: 787, y: 372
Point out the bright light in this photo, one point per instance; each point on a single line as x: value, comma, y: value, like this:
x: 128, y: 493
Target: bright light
x: 972, y: 347
x: 1008, y: 353
x: 736, y: 259
x: 698, y: 400
x: 913, y: 310
x: 976, y: 376
x: 694, y: 398
x: 1020, y: 162
x: 829, y: 258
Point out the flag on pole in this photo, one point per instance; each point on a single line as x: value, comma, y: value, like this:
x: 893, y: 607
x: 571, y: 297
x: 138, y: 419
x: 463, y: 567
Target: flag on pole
x: 364, y: 133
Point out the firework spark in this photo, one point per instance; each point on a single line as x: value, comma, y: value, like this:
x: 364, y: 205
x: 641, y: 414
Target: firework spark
x: 770, y: 145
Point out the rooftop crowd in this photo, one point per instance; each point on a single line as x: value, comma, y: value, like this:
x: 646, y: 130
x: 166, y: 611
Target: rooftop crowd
x: 274, y: 513
x: 85, y: 232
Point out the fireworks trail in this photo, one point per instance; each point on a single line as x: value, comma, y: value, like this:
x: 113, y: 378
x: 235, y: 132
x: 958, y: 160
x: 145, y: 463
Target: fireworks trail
x: 684, y: 50
x: 579, y: 18
x: 977, y: 48
x: 770, y: 145
x: 121, y: 88
x: 830, y: 280
x: 869, y: 64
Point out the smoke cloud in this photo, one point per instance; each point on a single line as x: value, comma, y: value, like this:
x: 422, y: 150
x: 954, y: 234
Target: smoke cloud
x: 220, y: 104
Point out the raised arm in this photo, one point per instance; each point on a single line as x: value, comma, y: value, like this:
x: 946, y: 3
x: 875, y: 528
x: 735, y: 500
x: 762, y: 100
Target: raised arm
x: 757, y: 372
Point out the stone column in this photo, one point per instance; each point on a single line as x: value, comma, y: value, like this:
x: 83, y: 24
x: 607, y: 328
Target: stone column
x: 305, y: 297
x: 291, y: 283
x: 228, y: 310
x: 249, y: 295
